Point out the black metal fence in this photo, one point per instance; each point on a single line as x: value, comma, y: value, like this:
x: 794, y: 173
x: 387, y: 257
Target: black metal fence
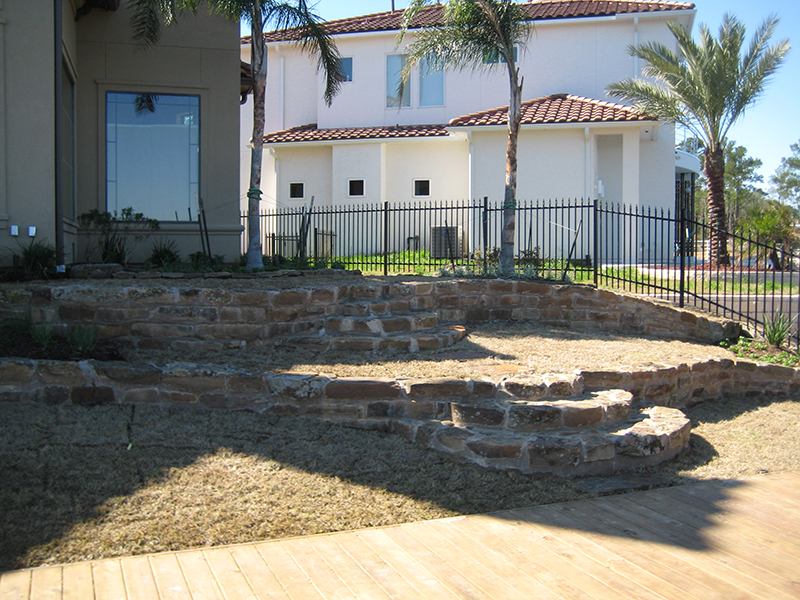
x: 641, y: 250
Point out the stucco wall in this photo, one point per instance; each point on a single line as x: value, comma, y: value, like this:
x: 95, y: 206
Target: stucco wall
x: 27, y: 122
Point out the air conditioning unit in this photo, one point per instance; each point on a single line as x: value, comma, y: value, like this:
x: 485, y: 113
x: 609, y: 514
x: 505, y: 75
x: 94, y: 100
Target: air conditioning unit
x: 447, y: 242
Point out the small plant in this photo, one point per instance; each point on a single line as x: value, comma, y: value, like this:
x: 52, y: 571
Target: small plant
x: 109, y: 233
x: 777, y: 329
x: 37, y: 260
x: 163, y: 255
x: 42, y: 334
x: 82, y: 338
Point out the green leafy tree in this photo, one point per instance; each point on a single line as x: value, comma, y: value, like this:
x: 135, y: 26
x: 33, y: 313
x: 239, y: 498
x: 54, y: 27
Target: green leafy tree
x: 774, y: 224
x: 309, y: 33
x: 787, y: 178
x: 470, y: 34
x: 706, y: 86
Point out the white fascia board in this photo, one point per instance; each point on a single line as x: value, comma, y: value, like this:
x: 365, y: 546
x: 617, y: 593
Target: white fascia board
x: 405, y: 140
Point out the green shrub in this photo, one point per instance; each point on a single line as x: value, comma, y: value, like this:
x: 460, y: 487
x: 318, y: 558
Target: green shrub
x: 37, y: 260
x: 777, y: 329
x: 42, y: 334
x: 82, y: 338
x: 163, y: 255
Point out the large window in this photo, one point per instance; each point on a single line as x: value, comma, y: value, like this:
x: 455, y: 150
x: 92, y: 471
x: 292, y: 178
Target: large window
x: 394, y: 69
x: 431, y: 85
x: 153, y: 154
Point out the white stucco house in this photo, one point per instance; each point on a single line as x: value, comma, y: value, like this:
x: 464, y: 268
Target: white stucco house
x: 445, y: 138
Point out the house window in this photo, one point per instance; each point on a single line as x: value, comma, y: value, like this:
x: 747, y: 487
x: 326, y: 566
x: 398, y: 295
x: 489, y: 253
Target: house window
x: 431, y: 84
x: 394, y: 74
x: 153, y: 154
x: 347, y: 67
x: 494, y: 57
x: 422, y: 187
x: 297, y: 190
x: 355, y: 187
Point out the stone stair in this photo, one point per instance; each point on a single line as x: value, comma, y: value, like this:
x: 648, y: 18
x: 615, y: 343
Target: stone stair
x: 376, y: 325
x: 549, y: 424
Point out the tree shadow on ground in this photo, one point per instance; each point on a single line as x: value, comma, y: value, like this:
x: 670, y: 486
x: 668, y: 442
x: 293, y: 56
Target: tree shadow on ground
x: 73, y: 479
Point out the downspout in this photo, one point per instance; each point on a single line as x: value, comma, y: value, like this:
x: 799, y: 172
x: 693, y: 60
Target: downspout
x: 59, y: 200
x: 587, y: 176
x: 282, y: 86
x: 636, y: 43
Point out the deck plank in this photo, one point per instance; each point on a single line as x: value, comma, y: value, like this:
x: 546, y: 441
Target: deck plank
x: 78, y: 583
x: 259, y: 576
x: 231, y: 580
x: 716, y: 560
x: 297, y: 584
x: 413, y: 570
x: 358, y: 580
x: 515, y: 564
x: 573, y: 571
x: 109, y: 583
x: 325, y: 578
x: 46, y: 584
x: 140, y: 583
x: 198, y: 575
x: 169, y: 577
x: 16, y: 585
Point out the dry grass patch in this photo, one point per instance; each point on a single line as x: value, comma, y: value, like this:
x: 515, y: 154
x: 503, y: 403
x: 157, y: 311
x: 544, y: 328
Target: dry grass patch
x: 538, y: 348
x: 82, y: 483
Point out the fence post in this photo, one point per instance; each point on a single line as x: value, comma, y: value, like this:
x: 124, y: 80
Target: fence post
x: 385, y: 238
x: 596, y: 241
x: 682, y: 249
x: 485, y: 234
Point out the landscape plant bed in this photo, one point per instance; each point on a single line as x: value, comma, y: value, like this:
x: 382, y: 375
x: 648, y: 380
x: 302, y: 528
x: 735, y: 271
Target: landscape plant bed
x: 85, y: 483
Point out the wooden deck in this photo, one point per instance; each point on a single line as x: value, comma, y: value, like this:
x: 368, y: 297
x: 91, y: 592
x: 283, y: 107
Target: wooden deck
x: 718, y: 539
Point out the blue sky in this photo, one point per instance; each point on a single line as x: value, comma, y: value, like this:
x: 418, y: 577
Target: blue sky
x: 766, y: 130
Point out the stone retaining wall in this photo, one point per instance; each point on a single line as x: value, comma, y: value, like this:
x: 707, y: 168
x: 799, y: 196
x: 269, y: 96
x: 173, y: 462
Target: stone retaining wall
x: 362, y: 401
x: 166, y: 317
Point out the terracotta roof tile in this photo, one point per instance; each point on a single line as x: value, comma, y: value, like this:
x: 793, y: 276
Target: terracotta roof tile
x: 538, y: 10
x: 310, y: 133
x: 558, y: 108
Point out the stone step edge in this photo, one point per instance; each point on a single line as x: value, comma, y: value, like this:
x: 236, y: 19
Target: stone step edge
x: 382, y: 325
x: 650, y: 436
x: 515, y: 415
x: 406, y: 341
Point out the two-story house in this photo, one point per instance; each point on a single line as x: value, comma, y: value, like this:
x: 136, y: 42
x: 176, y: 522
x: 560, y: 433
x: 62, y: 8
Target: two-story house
x: 88, y: 121
x: 445, y: 138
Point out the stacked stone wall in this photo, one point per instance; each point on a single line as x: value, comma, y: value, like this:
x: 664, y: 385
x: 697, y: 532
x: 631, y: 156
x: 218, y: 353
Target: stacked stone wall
x: 165, y: 317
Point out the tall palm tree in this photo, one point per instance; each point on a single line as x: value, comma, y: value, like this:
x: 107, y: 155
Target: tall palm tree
x: 310, y: 34
x: 706, y: 87
x: 478, y: 34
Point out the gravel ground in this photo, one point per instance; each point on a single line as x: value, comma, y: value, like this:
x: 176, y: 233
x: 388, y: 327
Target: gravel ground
x: 489, y: 350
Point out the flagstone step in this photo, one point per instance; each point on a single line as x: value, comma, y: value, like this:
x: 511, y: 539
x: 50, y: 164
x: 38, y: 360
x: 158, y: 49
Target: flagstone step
x: 648, y: 436
x: 521, y: 415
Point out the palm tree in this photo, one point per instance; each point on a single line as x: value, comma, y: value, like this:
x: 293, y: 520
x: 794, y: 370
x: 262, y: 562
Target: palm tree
x: 706, y: 87
x: 478, y: 34
x: 310, y: 34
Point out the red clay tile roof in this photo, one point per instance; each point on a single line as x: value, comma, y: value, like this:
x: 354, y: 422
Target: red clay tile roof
x: 558, y: 108
x: 310, y: 133
x: 538, y: 10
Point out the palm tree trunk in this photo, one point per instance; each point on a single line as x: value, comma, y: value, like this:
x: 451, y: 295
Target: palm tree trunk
x: 259, y: 68
x: 510, y: 195
x: 714, y: 170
